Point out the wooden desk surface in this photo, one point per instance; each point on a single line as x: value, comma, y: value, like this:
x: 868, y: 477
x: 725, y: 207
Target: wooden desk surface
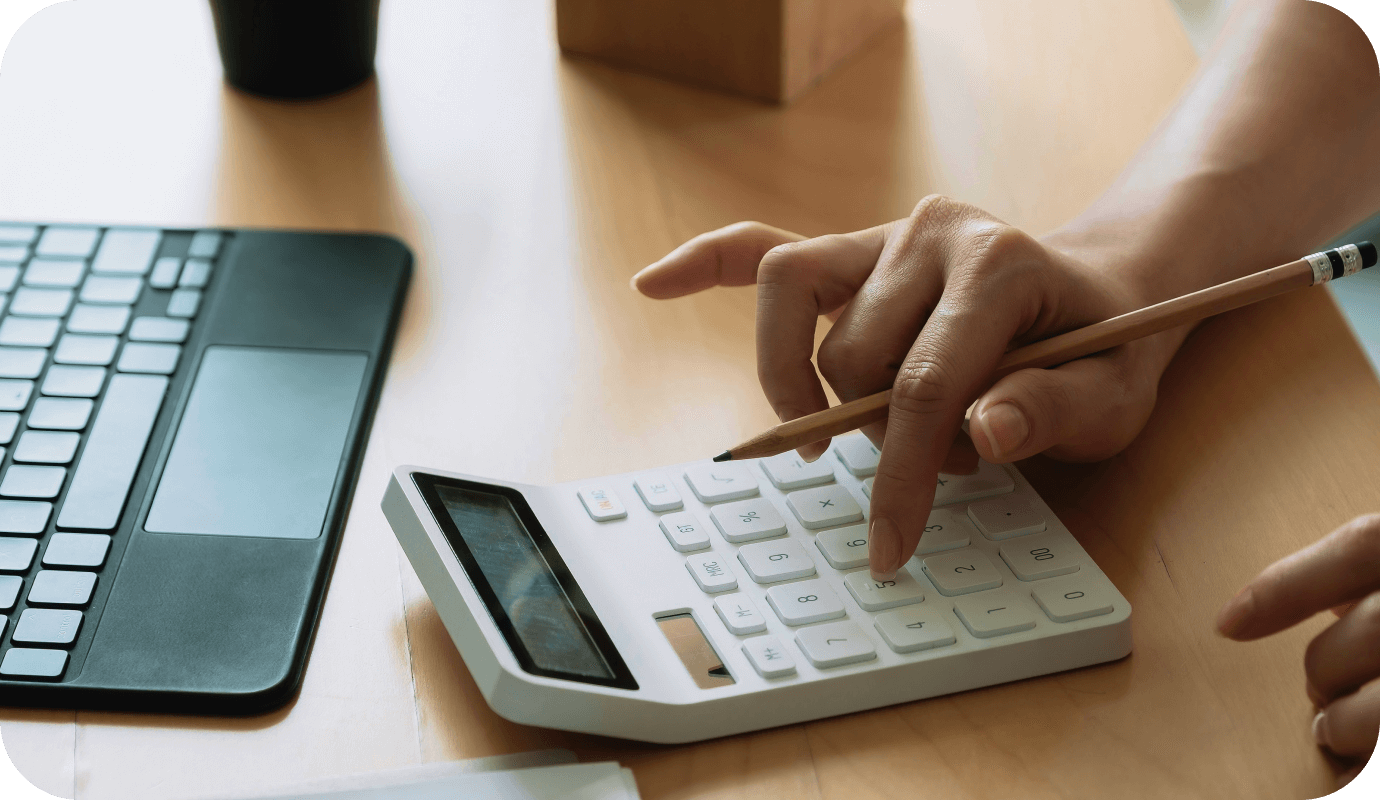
x: 531, y: 188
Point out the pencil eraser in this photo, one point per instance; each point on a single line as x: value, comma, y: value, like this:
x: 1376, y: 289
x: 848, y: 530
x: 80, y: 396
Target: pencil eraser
x: 1368, y: 255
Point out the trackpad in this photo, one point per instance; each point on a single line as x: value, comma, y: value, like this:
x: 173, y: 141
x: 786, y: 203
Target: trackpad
x: 260, y: 443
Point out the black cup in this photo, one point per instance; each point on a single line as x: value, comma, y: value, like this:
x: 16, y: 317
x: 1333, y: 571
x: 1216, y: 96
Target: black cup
x: 296, y: 48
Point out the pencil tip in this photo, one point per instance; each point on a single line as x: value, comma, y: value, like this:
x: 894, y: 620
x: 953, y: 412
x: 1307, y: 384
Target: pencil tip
x: 724, y: 456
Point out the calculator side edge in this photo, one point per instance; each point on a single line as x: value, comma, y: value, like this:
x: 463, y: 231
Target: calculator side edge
x: 421, y: 542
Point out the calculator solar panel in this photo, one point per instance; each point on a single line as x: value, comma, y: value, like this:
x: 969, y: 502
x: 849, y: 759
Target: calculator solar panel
x: 118, y: 343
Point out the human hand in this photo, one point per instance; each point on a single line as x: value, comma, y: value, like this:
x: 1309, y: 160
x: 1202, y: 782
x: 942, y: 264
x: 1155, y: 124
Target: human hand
x: 926, y: 306
x: 1342, y: 664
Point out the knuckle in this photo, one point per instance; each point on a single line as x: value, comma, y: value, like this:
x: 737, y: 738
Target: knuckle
x: 839, y: 359
x: 1361, y: 539
x: 922, y: 387
x: 780, y: 264
x: 932, y: 207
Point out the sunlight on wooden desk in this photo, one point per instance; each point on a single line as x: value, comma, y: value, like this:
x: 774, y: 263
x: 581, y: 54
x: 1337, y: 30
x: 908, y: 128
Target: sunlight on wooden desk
x: 531, y: 188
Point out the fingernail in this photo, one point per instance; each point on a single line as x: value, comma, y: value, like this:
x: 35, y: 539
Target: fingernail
x: 1005, y: 427
x: 1320, y: 730
x: 1233, y: 615
x: 632, y: 282
x: 883, y: 548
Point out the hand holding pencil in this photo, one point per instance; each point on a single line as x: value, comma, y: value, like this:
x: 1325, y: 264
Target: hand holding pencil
x: 926, y: 306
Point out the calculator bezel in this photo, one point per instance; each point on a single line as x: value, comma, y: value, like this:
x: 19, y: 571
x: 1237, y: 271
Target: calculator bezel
x: 426, y: 484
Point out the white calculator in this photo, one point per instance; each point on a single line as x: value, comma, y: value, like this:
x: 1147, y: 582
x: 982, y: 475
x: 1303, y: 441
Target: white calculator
x: 709, y: 599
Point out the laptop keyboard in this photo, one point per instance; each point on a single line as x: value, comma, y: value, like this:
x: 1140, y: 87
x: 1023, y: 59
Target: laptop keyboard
x: 93, y: 328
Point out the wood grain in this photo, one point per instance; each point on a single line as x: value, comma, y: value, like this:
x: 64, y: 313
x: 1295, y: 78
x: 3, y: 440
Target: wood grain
x: 1049, y: 352
x: 531, y: 188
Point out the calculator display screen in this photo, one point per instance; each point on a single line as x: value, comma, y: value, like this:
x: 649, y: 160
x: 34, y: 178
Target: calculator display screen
x: 531, y: 595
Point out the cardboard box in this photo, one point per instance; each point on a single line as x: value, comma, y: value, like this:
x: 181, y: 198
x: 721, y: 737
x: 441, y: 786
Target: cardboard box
x: 772, y: 50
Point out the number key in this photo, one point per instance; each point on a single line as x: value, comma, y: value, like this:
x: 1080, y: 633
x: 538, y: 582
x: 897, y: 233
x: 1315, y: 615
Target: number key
x: 781, y: 560
x: 1073, y: 598
x: 875, y: 595
x: 1044, y: 555
x: 994, y: 614
x: 844, y: 548
x: 962, y: 572
x: 805, y: 602
x: 945, y: 530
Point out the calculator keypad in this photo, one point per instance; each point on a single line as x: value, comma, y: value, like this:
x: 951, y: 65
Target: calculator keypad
x: 980, y: 528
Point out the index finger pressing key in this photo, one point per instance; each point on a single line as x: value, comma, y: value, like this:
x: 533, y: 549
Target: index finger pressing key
x: 949, y: 363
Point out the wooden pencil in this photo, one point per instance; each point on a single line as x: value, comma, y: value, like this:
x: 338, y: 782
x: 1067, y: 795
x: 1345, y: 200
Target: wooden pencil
x: 1309, y: 271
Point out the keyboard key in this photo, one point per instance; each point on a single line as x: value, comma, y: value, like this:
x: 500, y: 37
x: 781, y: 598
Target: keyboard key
x: 205, y: 244
x: 915, y: 628
x: 988, y: 481
x: 112, y: 453
x: 10, y: 254
x: 881, y: 595
x: 38, y: 482
x: 72, y: 242
x: 835, y: 645
x: 23, y: 662
x: 81, y: 348
x: 1006, y: 517
x: 748, y: 520
x: 858, y: 455
x: 824, y: 507
x: 14, y: 395
x: 159, y: 329
x: 946, y: 529
x: 111, y: 290
x: 126, y: 252
x: 21, y: 362
x: 738, y: 613
x: 19, y: 332
x: 9, y: 592
x: 153, y: 359
x: 54, y: 587
x: 771, y: 562
x: 658, y: 492
x: 844, y: 548
x: 601, y: 503
x: 196, y: 274
x: 685, y: 532
x: 1073, y: 598
x: 76, y: 550
x: 9, y: 421
x: 59, y: 273
x: 17, y: 554
x: 31, y: 302
x: 24, y: 516
x: 789, y: 471
x: 98, y: 319
x: 805, y: 602
x: 717, y: 483
x: 69, y: 381
x: 769, y: 657
x: 47, y: 447
x: 1044, y: 555
x: 165, y: 272
x: 712, y: 573
x: 9, y: 276
x: 867, y: 487
x: 54, y: 626
x: 993, y: 614
x: 961, y: 572
x: 184, y: 303
x: 18, y: 234
x: 60, y: 413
